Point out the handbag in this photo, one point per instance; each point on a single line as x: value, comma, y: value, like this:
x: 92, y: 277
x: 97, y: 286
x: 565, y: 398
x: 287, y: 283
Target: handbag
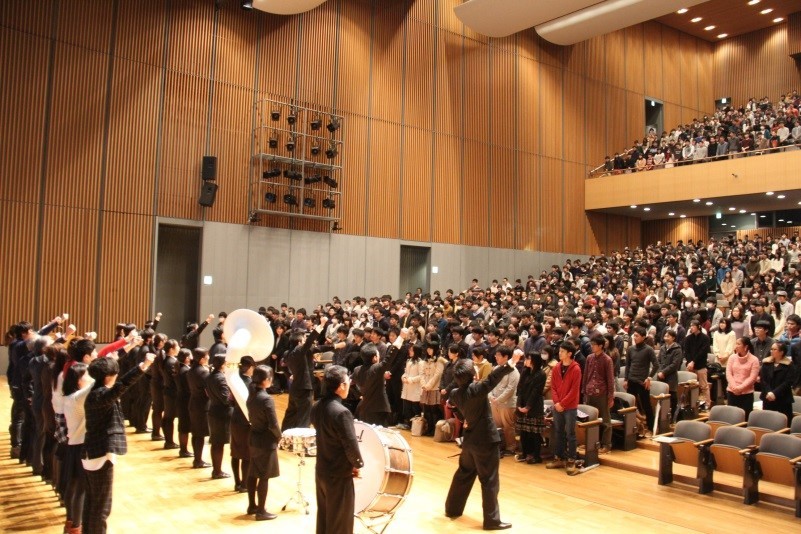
x: 418, y: 425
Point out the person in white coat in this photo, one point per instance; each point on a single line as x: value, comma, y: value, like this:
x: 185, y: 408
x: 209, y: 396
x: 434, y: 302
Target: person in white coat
x: 412, y: 385
x: 503, y: 401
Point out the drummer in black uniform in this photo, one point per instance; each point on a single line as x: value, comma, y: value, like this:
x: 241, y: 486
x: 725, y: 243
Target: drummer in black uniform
x: 338, y: 455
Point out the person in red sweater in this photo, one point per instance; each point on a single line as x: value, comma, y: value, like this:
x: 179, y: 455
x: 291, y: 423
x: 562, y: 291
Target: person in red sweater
x: 565, y: 388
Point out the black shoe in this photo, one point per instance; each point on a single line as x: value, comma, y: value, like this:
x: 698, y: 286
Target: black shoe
x: 143, y: 430
x: 264, y: 516
x: 171, y: 446
x: 532, y: 461
x: 15, y: 452
x: 252, y: 509
x: 220, y: 475
x: 185, y: 454
x: 242, y: 488
x: 200, y: 465
x: 156, y: 438
x: 498, y: 526
x: 452, y: 516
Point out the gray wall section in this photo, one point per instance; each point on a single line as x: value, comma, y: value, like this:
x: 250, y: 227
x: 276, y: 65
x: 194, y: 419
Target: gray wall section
x: 254, y: 266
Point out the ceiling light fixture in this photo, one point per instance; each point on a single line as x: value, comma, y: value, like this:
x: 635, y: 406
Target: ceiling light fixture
x: 646, y: 209
x: 734, y: 226
x: 682, y: 11
x: 753, y: 214
x: 762, y: 216
x: 742, y: 211
x: 710, y: 27
x: 696, y: 200
x: 708, y: 202
x: 723, y: 224
x: 766, y: 11
x: 732, y: 209
x: 671, y: 214
x: 683, y: 216
x: 778, y: 19
x: 697, y: 19
x: 769, y: 193
x: 722, y: 35
x: 780, y: 196
x: 753, y: 2
x: 633, y: 206
x: 781, y: 220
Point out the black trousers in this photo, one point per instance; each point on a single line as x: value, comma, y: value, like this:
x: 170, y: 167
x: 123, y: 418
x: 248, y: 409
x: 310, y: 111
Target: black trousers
x: 97, y: 504
x: 335, y: 501
x: 298, y: 410
x: 481, y: 463
x: 17, y: 416
x: 644, y: 398
x: 746, y: 402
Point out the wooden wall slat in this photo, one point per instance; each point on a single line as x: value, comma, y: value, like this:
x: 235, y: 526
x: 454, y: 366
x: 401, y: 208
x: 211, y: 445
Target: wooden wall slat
x: 27, y: 17
x: 20, y: 221
x: 24, y: 58
x: 597, y: 230
x: 354, y: 174
x: 528, y: 125
x: 423, y: 10
x: 76, y: 128
x: 551, y: 107
x: 528, y: 200
x: 615, y: 44
x: 183, y: 145
x: 706, y: 78
x: 596, y: 58
x: 69, y: 272
x: 384, y: 180
x: 794, y: 33
x: 673, y: 116
x: 689, y: 71
x: 449, y: 84
x: 635, y: 116
x: 277, y: 73
x: 72, y: 28
x: 133, y: 131
x: 756, y: 64
x: 551, y: 225
x: 528, y: 44
x: 416, y: 189
x: 476, y: 93
x: 634, y: 231
x: 616, y: 138
x: 502, y: 202
x: 652, y: 51
x: 447, y: 19
x: 550, y: 53
x: 576, y: 125
x: 576, y: 57
x: 672, y: 230
x: 237, y: 38
x: 502, y: 89
x: 190, y: 35
x: 124, y: 292
x: 140, y: 21
x: 671, y: 67
x: 635, y: 50
x: 418, y: 82
x: 475, y: 203
x: 447, y: 186
x: 574, y: 219
x: 596, y: 129
x: 387, y: 71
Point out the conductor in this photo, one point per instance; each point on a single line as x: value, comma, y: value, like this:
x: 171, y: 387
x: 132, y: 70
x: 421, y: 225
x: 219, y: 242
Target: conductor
x: 479, y: 456
x: 338, y: 455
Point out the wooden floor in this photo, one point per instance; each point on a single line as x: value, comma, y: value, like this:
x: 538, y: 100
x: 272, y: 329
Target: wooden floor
x: 156, y: 492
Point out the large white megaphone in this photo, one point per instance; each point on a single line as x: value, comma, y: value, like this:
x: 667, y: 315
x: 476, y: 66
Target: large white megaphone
x: 247, y: 334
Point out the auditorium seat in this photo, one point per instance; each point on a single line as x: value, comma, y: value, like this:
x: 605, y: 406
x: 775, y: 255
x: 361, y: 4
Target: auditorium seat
x: 660, y: 401
x: 588, y: 434
x: 683, y: 446
x: 778, y: 460
x: 795, y: 427
x: 724, y: 416
x: 766, y: 421
x: 688, y: 386
x: 796, y: 405
x: 726, y: 454
x: 624, y: 428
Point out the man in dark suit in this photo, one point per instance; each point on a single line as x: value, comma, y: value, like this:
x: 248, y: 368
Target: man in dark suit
x: 338, y: 455
x: 105, y: 436
x: 301, y: 364
x: 370, y: 377
x: 479, y: 455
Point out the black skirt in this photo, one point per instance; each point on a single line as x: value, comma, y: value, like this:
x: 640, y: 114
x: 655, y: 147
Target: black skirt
x: 240, y: 434
x: 263, y: 464
x: 219, y: 428
x: 199, y: 423
x: 182, y: 412
x: 72, y: 467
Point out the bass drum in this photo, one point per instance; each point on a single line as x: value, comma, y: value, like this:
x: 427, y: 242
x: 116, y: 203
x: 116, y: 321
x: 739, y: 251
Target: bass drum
x: 386, y: 477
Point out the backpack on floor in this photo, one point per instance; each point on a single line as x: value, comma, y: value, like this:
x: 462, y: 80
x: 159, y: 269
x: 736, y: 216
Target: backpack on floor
x: 443, y: 430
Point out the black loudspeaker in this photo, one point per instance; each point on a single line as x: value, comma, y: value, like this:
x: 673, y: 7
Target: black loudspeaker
x: 207, y: 194
x: 209, y: 171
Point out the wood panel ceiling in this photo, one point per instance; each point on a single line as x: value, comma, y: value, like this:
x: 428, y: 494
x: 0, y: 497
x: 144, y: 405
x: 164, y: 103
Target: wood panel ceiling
x: 732, y: 17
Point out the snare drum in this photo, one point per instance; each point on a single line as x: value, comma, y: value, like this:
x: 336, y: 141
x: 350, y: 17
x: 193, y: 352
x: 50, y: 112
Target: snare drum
x: 299, y: 441
x: 386, y: 477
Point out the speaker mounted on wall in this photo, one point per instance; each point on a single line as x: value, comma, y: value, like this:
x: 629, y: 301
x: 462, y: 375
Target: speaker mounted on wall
x: 209, y: 169
x: 208, y: 192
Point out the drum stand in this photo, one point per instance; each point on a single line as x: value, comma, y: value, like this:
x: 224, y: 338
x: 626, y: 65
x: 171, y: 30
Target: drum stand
x: 376, y: 525
x: 298, y: 496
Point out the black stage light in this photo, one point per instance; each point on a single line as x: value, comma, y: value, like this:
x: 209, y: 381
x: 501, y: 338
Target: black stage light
x: 313, y: 179
x: 293, y: 175
x: 335, y: 227
x: 275, y: 113
x: 275, y: 172
x: 290, y: 143
x: 329, y: 203
x: 330, y: 182
x: 292, y: 118
x: 316, y: 123
x: 331, y: 152
x: 315, y: 149
x: 290, y: 199
x: 333, y: 125
x: 273, y: 142
x: 309, y: 202
x: 270, y: 197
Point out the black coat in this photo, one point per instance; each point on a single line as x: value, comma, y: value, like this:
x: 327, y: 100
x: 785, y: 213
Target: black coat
x: 480, y: 429
x: 777, y: 379
x: 370, y: 379
x: 300, y: 363
x: 337, y: 447
x: 219, y: 394
x: 265, y: 433
x: 196, y: 383
x: 105, y: 425
x: 530, y: 392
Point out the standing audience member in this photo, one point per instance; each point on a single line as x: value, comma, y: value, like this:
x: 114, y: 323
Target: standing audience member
x: 300, y: 363
x: 598, y: 385
x: 220, y: 412
x: 742, y: 372
x: 198, y: 404
x: 641, y: 364
x: 530, y: 421
x: 668, y: 365
x: 696, y: 352
x: 776, y: 378
x: 566, y: 386
x: 240, y: 431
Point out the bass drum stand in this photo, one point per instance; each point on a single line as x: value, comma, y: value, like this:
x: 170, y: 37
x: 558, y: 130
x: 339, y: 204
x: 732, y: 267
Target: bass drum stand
x: 299, y: 497
x: 376, y: 525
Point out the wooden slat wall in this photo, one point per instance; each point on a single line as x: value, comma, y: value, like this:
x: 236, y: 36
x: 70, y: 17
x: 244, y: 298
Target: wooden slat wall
x: 450, y: 136
x: 665, y: 230
x: 794, y: 34
x: 756, y: 64
x: 764, y: 233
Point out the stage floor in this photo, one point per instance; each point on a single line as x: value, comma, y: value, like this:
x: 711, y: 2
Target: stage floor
x: 157, y: 492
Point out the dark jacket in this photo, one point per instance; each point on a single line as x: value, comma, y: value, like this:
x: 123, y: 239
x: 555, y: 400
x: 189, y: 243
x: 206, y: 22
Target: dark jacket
x: 480, y: 429
x: 370, y: 379
x: 777, y: 379
x: 529, y: 391
x: 337, y: 447
x: 168, y: 376
x: 219, y: 394
x: 669, y: 363
x: 265, y: 433
x: 238, y: 417
x: 300, y: 364
x: 196, y: 382
x: 105, y: 424
x: 696, y: 350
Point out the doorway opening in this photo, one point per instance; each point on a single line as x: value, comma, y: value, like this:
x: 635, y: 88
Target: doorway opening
x: 177, y: 277
x: 654, y: 117
x: 415, y: 269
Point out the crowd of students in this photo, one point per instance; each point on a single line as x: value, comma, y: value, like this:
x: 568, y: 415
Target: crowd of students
x: 753, y: 129
x: 571, y: 328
